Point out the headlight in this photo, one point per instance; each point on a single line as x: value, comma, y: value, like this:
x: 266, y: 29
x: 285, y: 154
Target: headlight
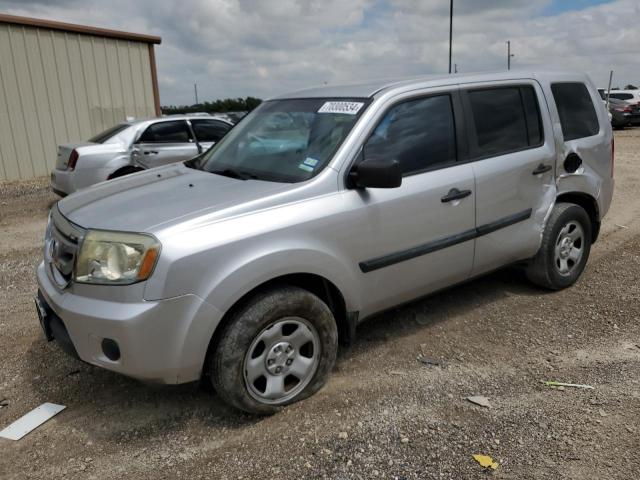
x: 116, y: 257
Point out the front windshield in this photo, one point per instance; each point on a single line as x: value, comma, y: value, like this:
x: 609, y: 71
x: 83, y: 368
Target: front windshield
x: 284, y: 140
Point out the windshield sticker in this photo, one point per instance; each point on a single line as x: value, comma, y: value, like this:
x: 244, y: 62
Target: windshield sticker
x: 348, y: 108
x: 312, y: 162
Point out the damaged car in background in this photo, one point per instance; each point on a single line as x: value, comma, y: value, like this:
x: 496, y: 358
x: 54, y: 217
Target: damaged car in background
x: 134, y: 146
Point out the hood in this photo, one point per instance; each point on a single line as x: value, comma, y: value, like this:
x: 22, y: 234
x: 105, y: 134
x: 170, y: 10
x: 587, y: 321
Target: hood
x: 142, y: 201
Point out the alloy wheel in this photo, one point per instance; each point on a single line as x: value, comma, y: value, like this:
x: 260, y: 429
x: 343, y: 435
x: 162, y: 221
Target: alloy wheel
x: 282, y: 360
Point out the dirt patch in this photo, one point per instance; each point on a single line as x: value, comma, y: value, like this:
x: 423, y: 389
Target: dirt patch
x: 383, y: 413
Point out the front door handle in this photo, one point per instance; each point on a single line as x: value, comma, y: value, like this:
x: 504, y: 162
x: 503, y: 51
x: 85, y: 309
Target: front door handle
x: 542, y: 168
x: 455, y: 194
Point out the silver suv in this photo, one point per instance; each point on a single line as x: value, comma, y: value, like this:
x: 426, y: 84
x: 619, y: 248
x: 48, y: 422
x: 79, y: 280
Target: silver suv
x: 246, y: 265
x: 130, y: 147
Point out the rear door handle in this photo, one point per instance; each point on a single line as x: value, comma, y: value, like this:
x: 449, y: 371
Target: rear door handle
x: 150, y: 152
x: 455, y: 194
x: 542, y: 168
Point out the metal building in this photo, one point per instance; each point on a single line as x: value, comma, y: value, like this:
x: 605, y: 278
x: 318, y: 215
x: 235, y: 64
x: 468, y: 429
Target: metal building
x: 62, y: 83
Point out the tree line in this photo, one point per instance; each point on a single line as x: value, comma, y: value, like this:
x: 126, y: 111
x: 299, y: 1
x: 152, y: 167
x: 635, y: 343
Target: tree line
x: 217, y: 106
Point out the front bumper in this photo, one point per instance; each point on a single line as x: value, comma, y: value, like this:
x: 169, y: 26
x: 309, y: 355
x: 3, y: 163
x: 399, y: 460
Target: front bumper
x: 162, y: 341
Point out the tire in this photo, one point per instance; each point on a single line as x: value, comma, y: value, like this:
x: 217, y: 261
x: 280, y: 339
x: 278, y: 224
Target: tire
x: 285, y: 328
x: 124, y: 171
x: 565, y: 248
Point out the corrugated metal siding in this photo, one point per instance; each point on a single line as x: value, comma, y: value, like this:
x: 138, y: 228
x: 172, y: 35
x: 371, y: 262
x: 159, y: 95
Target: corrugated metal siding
x: 60, y: 87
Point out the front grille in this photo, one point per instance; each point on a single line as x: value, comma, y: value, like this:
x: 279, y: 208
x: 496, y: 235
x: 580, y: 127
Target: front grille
x: 61, y: 248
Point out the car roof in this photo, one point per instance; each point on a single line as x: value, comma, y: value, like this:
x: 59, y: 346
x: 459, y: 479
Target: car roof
x: 372, y: 88
x: 166, y: 118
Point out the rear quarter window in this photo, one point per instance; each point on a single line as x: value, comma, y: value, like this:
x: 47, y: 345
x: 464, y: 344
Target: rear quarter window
x: 102, y: 137
x: 577, y: 114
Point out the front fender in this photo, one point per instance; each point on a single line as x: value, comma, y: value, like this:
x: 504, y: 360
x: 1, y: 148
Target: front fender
x: 223, y: 275
x: 225, y: 290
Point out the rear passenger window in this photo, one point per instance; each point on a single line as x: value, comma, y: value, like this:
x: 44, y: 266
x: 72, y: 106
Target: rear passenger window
x: 166, y: 132
x: 505, y: 119
x: 420, y: 134
x: 209, y: 130
x: 575, y: 108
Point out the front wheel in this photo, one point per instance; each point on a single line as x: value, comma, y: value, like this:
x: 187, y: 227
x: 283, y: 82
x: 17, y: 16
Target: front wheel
x: 565, y: 248
x: 277, y: 349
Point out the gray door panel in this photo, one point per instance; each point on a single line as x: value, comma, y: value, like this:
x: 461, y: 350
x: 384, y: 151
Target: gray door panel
x: 514, y: 191
x: 157, y: 154
x: 514, y: 202
x: 406, y: 229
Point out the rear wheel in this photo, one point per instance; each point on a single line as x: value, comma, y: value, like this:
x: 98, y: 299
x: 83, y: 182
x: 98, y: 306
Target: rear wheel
x: 565, y: 248
x: 124, y: 171
x: 277, y: 349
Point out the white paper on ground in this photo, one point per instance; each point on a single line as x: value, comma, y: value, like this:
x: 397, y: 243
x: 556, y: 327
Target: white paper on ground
x: 31, y: 421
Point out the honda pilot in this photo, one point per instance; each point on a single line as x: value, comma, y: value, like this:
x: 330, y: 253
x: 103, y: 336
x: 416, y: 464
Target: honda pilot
x: 247, y: 265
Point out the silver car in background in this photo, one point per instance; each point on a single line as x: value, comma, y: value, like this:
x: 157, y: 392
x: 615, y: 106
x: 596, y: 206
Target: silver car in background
x: 130, y: 147
x: 323, y: 207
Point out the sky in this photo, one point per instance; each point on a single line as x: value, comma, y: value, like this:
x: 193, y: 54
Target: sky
x: 262, y: 48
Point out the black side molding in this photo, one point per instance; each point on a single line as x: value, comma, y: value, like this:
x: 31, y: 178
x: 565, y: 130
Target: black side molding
x: 386, y: 260
x: 503, y: 222
x: 401, y: 256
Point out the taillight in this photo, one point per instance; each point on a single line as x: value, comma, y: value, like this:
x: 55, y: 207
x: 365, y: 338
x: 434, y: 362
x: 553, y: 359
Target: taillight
x: 613, y: 154
x: 73, y: 159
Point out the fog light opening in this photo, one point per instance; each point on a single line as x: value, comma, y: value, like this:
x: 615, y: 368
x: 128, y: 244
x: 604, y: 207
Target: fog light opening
x: 111, y: 349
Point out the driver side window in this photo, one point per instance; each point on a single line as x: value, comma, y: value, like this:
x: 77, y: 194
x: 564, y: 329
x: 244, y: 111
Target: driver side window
x: 419, y: 134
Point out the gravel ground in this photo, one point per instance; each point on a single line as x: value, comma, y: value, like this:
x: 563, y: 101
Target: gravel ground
x: 383, y: 413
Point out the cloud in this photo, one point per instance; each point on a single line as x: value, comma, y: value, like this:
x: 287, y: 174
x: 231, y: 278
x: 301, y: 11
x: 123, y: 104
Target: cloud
x: 250, y: 47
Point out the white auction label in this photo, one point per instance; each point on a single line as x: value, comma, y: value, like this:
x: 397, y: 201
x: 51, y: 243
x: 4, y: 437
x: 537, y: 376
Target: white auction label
x: 349, y: 108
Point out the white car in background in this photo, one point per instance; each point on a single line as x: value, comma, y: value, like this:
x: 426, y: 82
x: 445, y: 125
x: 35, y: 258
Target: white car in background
x: 130, y: 147
x: 631, y: 96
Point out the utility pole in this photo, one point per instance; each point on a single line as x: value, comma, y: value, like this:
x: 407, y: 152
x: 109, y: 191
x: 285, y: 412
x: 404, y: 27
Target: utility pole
x: 609, y: 88
x: 509, y: 55
x: 450, y: 32
x: 195, y: 90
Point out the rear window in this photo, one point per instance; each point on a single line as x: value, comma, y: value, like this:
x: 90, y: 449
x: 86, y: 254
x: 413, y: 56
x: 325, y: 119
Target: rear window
x: 577, y: 114
x: 107, y: 134
x: 505, y: 119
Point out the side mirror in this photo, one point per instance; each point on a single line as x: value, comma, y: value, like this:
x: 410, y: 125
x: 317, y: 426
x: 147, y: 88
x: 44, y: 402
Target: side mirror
x: 376, y: 174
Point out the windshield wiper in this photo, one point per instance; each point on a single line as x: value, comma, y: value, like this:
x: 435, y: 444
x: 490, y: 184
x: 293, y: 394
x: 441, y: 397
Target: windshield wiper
x: 231, y: 173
